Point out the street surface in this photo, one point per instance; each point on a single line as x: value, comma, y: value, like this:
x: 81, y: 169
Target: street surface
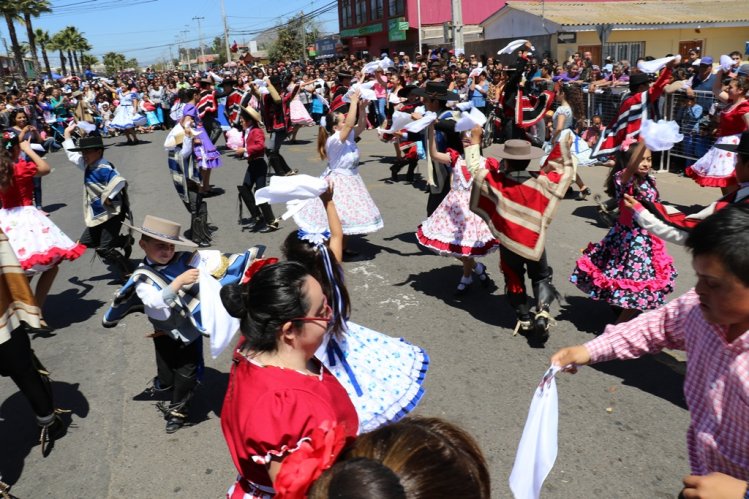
x: 622, y: 425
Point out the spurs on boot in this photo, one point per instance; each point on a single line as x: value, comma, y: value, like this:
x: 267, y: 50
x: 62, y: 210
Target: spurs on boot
x: 50, y: 431
x: 463, y: 285
x: 541, y: 324
x: 524, y: 326
x: 174, y: 422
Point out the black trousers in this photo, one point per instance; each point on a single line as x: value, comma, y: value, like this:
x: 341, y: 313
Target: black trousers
x: 105, y: 235
x: 434, y: 199
x: 17, y: 361
x: 256, y: 177
x: 177, y: 366
x: 514, y: 267
x: 277, y: 162
x: 213, y: 129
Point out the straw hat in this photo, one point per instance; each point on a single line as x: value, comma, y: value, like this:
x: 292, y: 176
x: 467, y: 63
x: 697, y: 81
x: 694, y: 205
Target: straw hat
x: 519, y: 149
x: 255, y: 115
x: 162, y: 230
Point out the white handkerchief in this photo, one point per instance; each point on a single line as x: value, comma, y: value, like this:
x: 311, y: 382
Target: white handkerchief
x: 285, y: 189
x: 419, y: 125
x: 217, y: 322
x: 726, y: 63
x: 513, y: 46
x: 464, y: 106
x: 538, y: 445
x: 370, y: 67
x: 477, y: 71
x: 656, y: 64
x: 469, y: 119
x: 365, y: 92
x: 259, y: 83
x: 400, y: 120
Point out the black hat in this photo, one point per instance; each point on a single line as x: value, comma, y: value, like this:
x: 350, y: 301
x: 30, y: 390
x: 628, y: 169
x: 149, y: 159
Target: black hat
x: 229, y: 80
x: 741, y: 148
x: 206, y: 81
x: 436, y: 90
x: 343, y: 74
x: 404, y: 92
x: 88, y: 143
x: 637, y: 79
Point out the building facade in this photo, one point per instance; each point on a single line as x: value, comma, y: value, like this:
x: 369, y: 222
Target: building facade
x: 378, y: 26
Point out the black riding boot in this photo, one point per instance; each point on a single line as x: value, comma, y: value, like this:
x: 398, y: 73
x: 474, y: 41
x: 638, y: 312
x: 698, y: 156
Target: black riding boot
x: 411, y: 169
x: 245, y: 195
x: 545, y: 294
x: 176, y: 413
x: 519, y: 302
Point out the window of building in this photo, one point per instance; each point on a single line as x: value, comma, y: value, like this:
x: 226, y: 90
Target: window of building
x: 375, y: 9
x: 361, y: 11
x: 629, y: 51
x: 346, y: 14
x: 395, y: 8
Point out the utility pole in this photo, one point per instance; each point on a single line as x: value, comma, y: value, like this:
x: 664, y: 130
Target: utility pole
x: 457, y: 12
x: 186, y: 32
x: 304, y: 37
x: 418, y: 19
x: 171, y: 57
x: 226, y: 33
x: 200, y: 35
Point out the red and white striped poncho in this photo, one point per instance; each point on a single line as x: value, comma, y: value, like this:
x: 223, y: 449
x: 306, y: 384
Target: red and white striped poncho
x: 631, y: 113
x: 519, y: 210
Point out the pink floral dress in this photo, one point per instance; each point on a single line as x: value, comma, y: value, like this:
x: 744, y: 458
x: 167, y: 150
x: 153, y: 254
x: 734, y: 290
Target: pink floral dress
x: 629, y: 268
x: 453, y: 229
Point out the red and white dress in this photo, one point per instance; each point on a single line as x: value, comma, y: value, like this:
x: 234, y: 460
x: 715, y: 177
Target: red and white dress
x: 716, y: 168
x: 38, y: 243
x: 453, y: 229
x: 269, y: 411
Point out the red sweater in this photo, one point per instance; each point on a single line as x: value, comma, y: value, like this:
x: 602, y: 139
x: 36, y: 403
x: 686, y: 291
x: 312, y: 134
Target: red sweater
x: 254, y: 143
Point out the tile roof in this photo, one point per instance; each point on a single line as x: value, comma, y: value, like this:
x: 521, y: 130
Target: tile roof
x: 623, y: 12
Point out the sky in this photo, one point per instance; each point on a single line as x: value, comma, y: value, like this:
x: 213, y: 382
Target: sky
x: 144, y: 29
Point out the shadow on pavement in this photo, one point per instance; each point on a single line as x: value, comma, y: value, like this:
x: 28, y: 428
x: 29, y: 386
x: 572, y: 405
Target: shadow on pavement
x: 19, y: 432
x: 649, y: 375
x: 591, y: 213
x: 51, y: 208
x: 478, y: 301
x: 589, y: 316
x: 209, y: 395
x: 368, y: 250
x: 72, y: 301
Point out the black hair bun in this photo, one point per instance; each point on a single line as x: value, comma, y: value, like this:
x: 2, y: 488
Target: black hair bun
x: 232, y: 296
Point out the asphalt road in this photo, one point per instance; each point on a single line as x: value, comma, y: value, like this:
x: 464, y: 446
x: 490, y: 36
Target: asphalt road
x: 621, y: 426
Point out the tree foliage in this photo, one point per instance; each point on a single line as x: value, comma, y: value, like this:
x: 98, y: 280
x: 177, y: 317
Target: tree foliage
x: 114, y: 62
x: 289, y: 44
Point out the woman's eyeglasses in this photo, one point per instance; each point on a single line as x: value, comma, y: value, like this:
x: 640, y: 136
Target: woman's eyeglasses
x: 327, y: 315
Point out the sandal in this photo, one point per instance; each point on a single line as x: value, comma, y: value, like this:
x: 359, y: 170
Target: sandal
x: 480, y: 271
x: 463, y: 285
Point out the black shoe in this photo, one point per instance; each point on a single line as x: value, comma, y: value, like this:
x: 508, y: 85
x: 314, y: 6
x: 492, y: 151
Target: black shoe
x: 51, y: 432
x: 541, y: 324
x: 583, y: 194
x: 271, y: 227
x: 480, y: 271
x: 174, y: 423
x: 394, y: 173
x: 524, y: 326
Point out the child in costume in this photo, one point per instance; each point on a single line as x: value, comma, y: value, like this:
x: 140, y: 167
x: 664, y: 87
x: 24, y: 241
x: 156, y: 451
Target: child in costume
x: 382, y: 375
x: 518, y: 206
x: 452, y: 229
x: 630, y: 268
x: 166, y: 287
x: 207, y: 157
x: 335, y: 142
x: 105, y: 201
x: 255, y: 177
x: 37, y: 242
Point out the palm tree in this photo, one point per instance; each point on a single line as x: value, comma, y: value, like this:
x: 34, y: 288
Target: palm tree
x: 9, y: 11
x: 29, y: 9
x: 72, y: 38
x: 82, y: 46
x: 58, y: 43
x: 43, y: 39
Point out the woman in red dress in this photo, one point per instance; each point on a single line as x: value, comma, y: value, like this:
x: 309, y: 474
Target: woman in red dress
x: 716, y: 168
x: 278, y: 392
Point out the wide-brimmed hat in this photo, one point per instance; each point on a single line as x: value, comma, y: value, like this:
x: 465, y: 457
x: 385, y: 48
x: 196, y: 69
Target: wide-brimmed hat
x: 637, y: 79
x: 343, y: 74
x: 254, y: 114
x: 741, y: 148
x: 436, y: 90
x: 162, y: 229
x: 207, y: 81
x: 519, y: 149
x: 229, y: 80
x: 404, y: 92
x: 88, y: 143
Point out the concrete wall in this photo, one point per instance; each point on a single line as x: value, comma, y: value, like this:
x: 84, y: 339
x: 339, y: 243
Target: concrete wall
x: 659, y: 42
x: 439, y: 11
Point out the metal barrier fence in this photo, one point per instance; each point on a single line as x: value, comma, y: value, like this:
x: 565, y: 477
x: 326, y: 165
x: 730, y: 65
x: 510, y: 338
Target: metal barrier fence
x: 697, y: 118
